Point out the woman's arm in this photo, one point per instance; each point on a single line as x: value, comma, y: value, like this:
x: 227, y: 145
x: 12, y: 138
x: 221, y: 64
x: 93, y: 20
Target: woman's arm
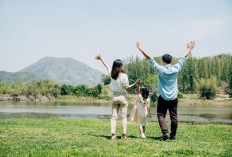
x: 132, y: 85
x: 143, y: 52
x: 98, y: 57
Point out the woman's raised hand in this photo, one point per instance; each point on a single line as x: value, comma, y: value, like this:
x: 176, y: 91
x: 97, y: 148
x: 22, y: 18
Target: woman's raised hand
x: 138, y: 45
x: 98, y: 57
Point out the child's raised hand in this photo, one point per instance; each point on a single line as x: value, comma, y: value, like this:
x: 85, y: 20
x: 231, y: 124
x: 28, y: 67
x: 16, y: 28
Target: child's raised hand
x: 98, y: 57
x: 138, y: 81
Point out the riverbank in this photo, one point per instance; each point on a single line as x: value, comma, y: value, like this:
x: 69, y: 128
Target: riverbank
x: 60, y: 137
x: 187, y: 100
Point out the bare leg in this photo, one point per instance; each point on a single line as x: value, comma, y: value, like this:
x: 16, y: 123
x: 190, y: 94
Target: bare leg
x: 140, y: 129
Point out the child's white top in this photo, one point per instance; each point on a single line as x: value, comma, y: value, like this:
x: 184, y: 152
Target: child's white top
x: 139, y: 111
x: 120, y: 83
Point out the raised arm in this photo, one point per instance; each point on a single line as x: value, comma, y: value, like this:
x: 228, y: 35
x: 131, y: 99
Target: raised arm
x: 155, y: 65
x: 139, y: 88
x: 143, y: 52
x: 190, y: 46
x: 98, y: 57
x: 178, y: 66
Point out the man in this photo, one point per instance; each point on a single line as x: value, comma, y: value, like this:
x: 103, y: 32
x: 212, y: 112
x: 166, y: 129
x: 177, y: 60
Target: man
x: 167, y: 89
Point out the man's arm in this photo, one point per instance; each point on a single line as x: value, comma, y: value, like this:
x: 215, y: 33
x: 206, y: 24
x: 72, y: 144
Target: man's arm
x: 98, y: 57
x: 143, y: 52
x: 156, y: 66
x: 178, y: 66
x: 190, y: 46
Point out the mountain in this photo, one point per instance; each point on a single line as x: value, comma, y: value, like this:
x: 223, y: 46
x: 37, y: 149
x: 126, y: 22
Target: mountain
x: 65, y: 71
x: 9, y: 77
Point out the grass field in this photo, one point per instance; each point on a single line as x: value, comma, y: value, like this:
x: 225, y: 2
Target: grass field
x: 60, y: 137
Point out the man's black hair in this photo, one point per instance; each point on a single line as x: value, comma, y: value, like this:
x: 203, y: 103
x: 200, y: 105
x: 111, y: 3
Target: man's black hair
x: 167, y: 58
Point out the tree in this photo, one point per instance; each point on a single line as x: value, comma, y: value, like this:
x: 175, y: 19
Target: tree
x: 66, y: 89
x: 208, y: 88
x: 106, y: 79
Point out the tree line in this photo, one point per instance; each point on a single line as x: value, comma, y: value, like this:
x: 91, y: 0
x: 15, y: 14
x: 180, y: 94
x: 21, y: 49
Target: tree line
x: 206, y: 75
x: 48, y: 88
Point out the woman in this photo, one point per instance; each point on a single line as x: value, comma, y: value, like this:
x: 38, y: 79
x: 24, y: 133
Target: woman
x: 119, y: 85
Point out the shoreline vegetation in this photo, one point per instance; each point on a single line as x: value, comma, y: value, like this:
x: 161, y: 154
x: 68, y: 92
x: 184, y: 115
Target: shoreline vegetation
x: 187, y: 100
x: 49, y: 91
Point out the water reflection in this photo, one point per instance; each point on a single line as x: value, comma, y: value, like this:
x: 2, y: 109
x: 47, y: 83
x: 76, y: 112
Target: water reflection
x: 64, y: 110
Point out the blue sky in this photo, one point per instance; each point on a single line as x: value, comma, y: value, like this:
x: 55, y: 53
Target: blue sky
x: 33, y: 29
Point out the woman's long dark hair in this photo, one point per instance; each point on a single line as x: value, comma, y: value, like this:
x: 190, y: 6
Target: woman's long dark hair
x: 116, y: 69
x: 144, y: 92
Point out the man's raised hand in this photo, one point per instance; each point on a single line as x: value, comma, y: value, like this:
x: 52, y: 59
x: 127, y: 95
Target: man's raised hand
x: 143, y: 52
x: 138, y: 45
x: 191, y: 45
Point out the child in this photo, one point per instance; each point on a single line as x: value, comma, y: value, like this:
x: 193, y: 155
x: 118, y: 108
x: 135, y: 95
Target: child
x: 119, y: 85
x: 141, y: 110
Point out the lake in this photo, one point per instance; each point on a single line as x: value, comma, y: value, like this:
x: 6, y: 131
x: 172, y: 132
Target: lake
x: 65, y: 110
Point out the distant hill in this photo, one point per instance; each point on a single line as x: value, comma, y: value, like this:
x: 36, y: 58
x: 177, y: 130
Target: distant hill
x: 9, y: 77
x: 65, y: 71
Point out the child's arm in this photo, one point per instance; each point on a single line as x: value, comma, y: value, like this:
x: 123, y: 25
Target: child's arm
x: 148, y: 111
x: 143, y: 52
x: 190, y: 46
x: 98, y: 57
x: 138, y: 88
x: 132, y: 85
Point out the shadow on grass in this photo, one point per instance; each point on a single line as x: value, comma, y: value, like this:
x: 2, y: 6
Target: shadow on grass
x: 131, y: 136
x: 155, y: 138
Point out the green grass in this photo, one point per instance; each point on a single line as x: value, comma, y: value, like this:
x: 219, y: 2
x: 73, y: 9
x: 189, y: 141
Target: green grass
x: 60, y: 137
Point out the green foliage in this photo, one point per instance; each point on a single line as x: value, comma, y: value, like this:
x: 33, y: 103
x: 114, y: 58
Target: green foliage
x: 141, y: 69
x: 195, y: 69
x: 180, y: 95
x: 48, y: 88
x: 66, y: 89
x: 80, y: 90
x: 106, y: 79
x: 154, y: 97
x: 151, y: 81
x: 230, y: 77
x: 4, y: 88
x: 9, y: 77
x: 230, y: 95
x: 208, y: 88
